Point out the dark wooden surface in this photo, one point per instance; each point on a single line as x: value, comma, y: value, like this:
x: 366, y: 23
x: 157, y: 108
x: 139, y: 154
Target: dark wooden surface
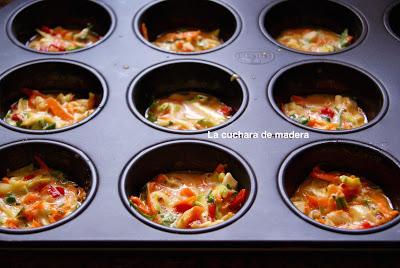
x: 100, y: 259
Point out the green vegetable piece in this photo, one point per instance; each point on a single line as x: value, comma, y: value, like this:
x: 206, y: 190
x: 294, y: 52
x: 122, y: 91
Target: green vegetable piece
x: 216, y: 32
x: 163, y: 107
x: 51, y: 126
x: 341, y: 202
x: 151, y: 117
x: 84, y: 33
x: 326, y: 118
x: 205, y: 123
x: 168, y: 219
x: 10, y: 199
x: 200, y: 98
x: 343, y: 41
x: 304, y: 120
x: 210, y: 198
x: 350, y: 181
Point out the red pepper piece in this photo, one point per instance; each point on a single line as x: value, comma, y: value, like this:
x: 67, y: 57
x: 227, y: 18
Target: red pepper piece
x: 220, y: 168
x: 180, y: 208
x: 226, y: 110
x: 29, y: 177
x: 365, y: 225
x: 328, y: 112
x: 16, y: 117
x: 211, y: 211
x: 41, y: 163
x: 184, y: 205
x: 53, y: 191
x: 239, y: 200
x: 46, y: 29
x: 61, y: 190
x: 350, y: 192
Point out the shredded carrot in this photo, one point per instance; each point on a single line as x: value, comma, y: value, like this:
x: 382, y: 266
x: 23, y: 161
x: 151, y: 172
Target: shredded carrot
x: 12, y: 223
x: 187, y: 192
x: 312, y: 123
x: 91, y: 101
x: 145, y: 31
x: 383, y: 204
x: 317, y: 173
x: 31, y: 198
x: 56, y: 109
x: 140, y: 205
x: 35, y: 223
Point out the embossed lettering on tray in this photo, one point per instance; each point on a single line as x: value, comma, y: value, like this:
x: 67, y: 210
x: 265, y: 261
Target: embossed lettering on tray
x: 254, y: 57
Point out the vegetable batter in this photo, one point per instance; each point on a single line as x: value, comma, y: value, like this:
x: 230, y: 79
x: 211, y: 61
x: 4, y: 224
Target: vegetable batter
x: 326, y: 112
x: 188, y: 111
x: 185, y: 40
x: 33, y: 197
x: 343, y: 200
x: 190, y: 199
x: 59, y: 39
x: 49, y: 111
x: 315, y: 40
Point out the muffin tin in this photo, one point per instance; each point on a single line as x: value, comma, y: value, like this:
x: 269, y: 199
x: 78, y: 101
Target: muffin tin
x: 116, y: 150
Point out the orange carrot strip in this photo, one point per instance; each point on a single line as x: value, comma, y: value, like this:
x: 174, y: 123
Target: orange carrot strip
x: 195, y: 216
x: 312, y: 123
x: 140, y: 205
x: 144, y: 31
x: 31, y: 198
x: 317, y: 173
x: 184, y: 205
x: 35, y: 223
x: 187, y: 192
x: 12, y: 223
x: 56, y: 109
x: 383, y: 204
x: 91, y: 101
